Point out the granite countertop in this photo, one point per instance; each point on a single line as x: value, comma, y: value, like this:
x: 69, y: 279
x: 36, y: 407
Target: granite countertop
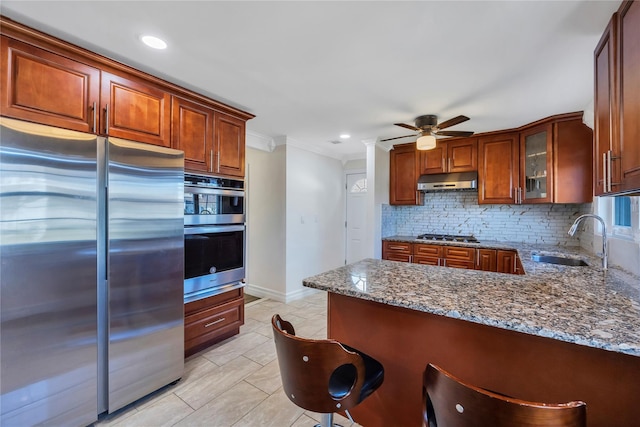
x: 581, y: 305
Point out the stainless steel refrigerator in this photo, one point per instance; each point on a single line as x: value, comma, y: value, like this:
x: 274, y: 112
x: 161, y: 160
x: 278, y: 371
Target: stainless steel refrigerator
x: 91, y: 273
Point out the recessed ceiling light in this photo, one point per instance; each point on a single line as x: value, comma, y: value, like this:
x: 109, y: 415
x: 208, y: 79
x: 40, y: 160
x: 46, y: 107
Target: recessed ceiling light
x: 345, y: 136
x: 154, y: 42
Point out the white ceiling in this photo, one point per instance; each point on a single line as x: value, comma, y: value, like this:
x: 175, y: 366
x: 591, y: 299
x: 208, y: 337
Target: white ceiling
x: 310, y: 71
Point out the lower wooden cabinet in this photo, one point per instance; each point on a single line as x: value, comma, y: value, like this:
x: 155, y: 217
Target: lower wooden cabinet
x: 506, y: 261
x: 397, y: 251
x: 210, y: 320
x: 486, y: 260
x: 496, y: 260
x: 459, y: 257
x: 427, y: 254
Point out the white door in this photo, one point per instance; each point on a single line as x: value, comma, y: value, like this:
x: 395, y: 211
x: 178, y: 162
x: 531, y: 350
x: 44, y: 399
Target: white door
x: 356, y: 216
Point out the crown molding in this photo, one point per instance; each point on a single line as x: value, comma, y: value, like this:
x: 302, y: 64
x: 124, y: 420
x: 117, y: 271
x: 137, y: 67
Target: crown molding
x: 259, y: 141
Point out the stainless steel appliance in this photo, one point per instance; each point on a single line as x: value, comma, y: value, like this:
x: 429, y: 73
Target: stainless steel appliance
x: 214, y: 235
x: 448, y: 181
x: 211, y: 200
x: 448, y: 238
x: 91, y: 252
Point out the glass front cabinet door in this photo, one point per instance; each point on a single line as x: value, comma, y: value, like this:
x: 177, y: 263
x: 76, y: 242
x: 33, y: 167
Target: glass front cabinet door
x: 536, y: 167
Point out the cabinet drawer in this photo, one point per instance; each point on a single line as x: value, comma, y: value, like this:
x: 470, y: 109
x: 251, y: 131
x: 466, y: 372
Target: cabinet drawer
x: 459, y: 253
x: 397, y: 257
x: 213, y: 301
x: 215, y: 318
x: 426, y: 260
x: 398, y: 247
x: 427, y: 250
x: 397, y: 251
x: 455, y: 263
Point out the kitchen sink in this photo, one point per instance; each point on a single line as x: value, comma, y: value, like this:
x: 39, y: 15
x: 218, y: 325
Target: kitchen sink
x: 551, y: 259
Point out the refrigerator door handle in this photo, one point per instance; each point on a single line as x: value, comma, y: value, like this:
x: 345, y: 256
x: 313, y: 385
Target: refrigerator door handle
x: 106, y: 119
x: 94, y: 129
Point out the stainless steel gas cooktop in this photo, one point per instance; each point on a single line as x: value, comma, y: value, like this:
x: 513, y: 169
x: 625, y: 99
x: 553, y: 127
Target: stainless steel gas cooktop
x: 448, y: 238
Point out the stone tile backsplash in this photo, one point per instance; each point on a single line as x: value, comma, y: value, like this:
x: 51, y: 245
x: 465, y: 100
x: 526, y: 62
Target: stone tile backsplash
x: 459, y: 213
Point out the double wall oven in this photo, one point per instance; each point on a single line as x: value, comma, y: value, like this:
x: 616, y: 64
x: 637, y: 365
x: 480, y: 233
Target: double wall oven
x: 214, y: 235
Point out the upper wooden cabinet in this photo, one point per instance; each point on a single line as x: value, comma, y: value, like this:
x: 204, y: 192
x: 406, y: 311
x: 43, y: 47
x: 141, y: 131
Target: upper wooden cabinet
x: 546, y: 162
x: 629, y: 80
x: 136, y: 110
x: 49, y: 81
x: 43, y: 87
x: 230, y: 145
x: 192, y: 132
x: 606, y: 143
x: 617, y: 104
x: 498, y: 168
x: 536, y: 164
x: 449, y: 156
x: 572, y: 152
x: 403, y: 179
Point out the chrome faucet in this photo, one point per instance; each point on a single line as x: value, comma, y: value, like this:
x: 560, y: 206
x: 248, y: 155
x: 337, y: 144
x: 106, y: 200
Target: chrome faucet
x: 574, y: 227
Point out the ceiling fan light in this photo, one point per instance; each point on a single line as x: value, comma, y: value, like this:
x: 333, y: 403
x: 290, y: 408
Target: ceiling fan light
x: 426, y: 142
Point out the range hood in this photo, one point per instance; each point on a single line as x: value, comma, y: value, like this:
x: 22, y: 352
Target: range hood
x: 448, y: 181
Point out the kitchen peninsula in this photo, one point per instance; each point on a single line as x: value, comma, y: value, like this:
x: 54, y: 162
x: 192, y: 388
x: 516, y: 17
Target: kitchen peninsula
x: 554, y: 334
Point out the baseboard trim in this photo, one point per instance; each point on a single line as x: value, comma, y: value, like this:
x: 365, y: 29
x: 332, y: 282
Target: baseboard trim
x: 263, y: 292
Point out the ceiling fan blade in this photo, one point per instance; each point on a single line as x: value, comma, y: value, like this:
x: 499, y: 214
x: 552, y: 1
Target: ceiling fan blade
x: 407, y: 126
x: 453, y: 122
x: 453, y: 133
x: 397, y: 137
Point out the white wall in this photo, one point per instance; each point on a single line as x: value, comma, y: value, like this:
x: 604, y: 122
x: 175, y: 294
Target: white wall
x: 624, y: 242
x: 295, y: 219
x: 314, y: 217
x: 266, y: 181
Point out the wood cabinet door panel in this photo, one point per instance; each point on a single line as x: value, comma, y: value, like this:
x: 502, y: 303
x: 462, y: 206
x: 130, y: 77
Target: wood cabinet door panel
x: 462, y: 156
x: 605, y: 132
x: 573, y: 159
x: 192, y: 132
x: 629, y: 75
x: 136, y: 111
x: 432, y: 161
x: 486, y: 260
x: 498, y: 168
x: 536, y: 167
x: 230, y: 145
x: 403, y: 179
x: 506, y: 261
x: 46, y: 88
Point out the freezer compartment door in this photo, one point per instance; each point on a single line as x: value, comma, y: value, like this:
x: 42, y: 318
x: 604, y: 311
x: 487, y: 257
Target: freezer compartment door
x: 145, y: 194
x: 48, y: 296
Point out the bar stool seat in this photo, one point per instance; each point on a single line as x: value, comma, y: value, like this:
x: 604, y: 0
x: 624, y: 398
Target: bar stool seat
x: 449, y: 402
x: 323, y: 376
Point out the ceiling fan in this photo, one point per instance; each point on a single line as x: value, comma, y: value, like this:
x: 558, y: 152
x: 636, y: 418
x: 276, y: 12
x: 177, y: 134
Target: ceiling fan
x: 428, y: 128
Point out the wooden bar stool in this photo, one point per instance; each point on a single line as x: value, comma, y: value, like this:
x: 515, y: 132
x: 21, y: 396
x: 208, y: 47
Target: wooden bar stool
x: 449, y: 402
x: 323, y: 376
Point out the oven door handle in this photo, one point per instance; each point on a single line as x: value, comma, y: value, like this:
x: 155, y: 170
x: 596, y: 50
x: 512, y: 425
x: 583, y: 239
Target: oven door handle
x: 213, y: 229
x: 215, y: 191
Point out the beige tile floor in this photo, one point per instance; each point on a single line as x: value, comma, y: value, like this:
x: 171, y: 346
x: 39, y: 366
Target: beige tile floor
x: 236, y: 382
